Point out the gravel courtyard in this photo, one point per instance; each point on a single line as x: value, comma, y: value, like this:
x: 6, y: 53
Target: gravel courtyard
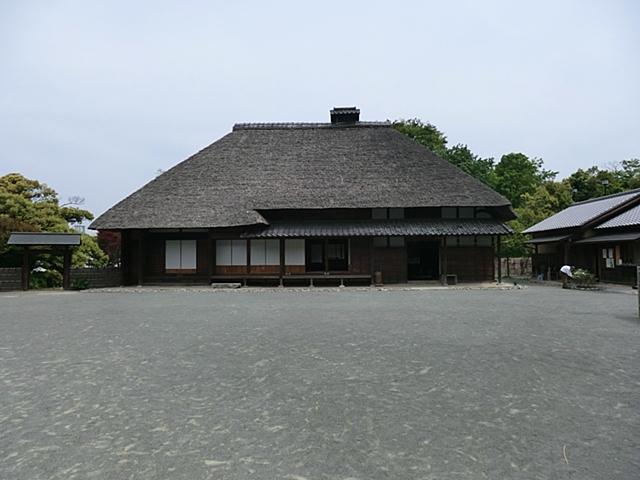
x: 537, y: 383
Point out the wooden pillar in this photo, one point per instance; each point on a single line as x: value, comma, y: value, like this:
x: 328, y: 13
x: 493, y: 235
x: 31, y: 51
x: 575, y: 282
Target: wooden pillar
x: 248, y: 256
x: 140, y: 259
x: 498, y: 254
x: 25, y: 268
x: 371, y: 267
x: 326, y: 257
x: 282, y: 246
x: 444, y: 261
x: 66, y: 268
x: 210, y: 256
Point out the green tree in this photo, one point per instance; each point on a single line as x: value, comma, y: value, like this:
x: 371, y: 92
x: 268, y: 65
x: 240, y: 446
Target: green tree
x: 29, y: 205
x: 594, y: 182
x: 517, y: 175
x: 424, y: 133
x: 481, y: 168
x: 546, y: 199
x: 628, y: 173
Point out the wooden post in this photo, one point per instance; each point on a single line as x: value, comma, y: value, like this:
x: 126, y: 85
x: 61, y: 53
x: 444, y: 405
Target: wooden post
x: 282, y: 262
x: 140, y: 262
x: 638, y: 287
x: 210, y: 257
x: 326, y: 257
x: 499, y: 259
x: 66, y: 268
x: 371, y: 272
x: 25, y: 269
x: 248, y: 256
x: 444, y: 261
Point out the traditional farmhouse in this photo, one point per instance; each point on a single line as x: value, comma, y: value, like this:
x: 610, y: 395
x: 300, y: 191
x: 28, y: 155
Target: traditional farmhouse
x: 600, y: 235
x: 311, y: 202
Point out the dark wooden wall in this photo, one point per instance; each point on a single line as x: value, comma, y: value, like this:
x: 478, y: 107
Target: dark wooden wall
x: 471, y: 264
x: 392, y: 262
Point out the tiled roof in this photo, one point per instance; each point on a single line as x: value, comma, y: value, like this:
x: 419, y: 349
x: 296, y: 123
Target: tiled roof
x: 614, y: 237
x: 626, y: 219
x: 379, y: 228
x: 580, y: 213
x: 553, y: 239
x: 44, y: 238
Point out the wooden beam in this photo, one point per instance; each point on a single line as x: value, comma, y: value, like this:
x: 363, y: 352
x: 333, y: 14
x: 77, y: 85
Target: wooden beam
x: 66, y: 269
x: 326, y: 257
x: 140, y: 262
x: 248, y: 256
x: 211, y: 251
x: 282, y: 246
x: 499, y: 255
x: 444, y: 261
x: 371, y: 253
x: 25, y: 269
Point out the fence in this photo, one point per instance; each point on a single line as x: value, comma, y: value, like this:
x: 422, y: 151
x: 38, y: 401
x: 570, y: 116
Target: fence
x: 10, y: 278
x: 516, y: 267
x: 97, y: 277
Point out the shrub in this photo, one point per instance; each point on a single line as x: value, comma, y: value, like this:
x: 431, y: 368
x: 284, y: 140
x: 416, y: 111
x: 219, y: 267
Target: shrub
x: 79, y: 284
x: 583, y: 278
x: 45, y: 279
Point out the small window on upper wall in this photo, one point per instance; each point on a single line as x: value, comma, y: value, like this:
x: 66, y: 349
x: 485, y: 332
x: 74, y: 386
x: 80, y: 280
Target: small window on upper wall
x: 448, y: 212
x: 396, y: 241
x: 466, y: 212
x: 483, y: 214
x: 396, y: 213
x: 380, y: 242
x: 378, y: 213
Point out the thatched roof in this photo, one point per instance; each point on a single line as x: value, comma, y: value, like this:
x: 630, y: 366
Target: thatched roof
x: 289, y: 166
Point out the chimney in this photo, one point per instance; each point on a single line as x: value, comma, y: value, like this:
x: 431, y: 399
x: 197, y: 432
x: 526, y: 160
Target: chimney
x: 345, y: 115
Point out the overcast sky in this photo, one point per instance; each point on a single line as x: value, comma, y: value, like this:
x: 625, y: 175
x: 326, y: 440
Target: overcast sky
x: 96, y: 96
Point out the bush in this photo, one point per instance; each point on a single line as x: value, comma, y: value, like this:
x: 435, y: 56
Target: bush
x: 45, y: 279
x: 79, y: 284
x: 583, y: 278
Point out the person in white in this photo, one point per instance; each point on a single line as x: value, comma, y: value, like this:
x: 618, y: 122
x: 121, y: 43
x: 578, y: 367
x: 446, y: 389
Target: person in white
x: 566, y: 275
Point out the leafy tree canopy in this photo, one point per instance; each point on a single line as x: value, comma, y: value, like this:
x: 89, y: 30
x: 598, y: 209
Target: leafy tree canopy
x: 29, y: 205
x: 532, y: 190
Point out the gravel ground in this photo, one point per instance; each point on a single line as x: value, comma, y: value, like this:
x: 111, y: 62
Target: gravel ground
x: 538, y: 383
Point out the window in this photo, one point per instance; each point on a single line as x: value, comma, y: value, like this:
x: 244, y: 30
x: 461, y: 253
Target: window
x: 395, y: 213
x: 466, y: 241
x: 378, y: 213
x: 294, y: 251
x: 607, y: 255
x: 231, y: 252
x: 380, y: 242
x: 483, y: 241
x: 265, y: 252
x: 625, y: 254
x: 180, y: 256
x: 396, y: 241
x: 387, y: 213
x: 385, y: 242
x: 327, y: 255
x: 448, y: 212
x: 466, y: 212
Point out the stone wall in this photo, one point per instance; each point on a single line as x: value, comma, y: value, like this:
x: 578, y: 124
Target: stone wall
x: 98, y: 277
x: 10, y: 278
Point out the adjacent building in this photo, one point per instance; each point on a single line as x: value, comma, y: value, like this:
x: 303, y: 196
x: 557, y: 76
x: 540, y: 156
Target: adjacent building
x: 311, y: 202
x: 600, y: 235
